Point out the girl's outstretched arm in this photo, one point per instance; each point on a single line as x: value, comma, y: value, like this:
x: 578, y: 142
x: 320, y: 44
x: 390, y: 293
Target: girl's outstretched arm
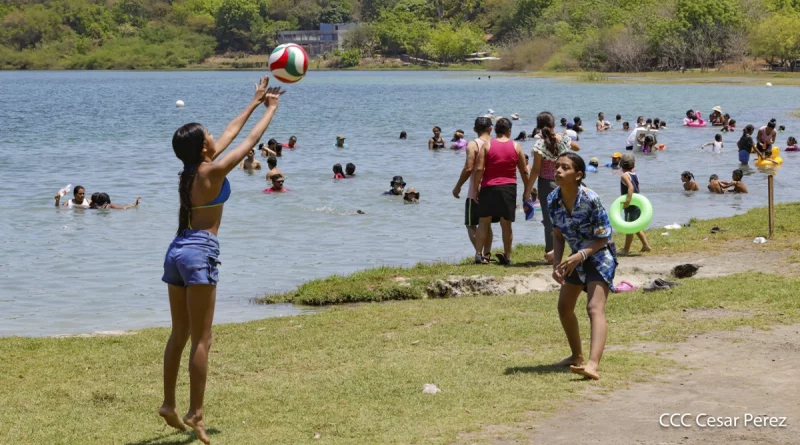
x: 233, y: 128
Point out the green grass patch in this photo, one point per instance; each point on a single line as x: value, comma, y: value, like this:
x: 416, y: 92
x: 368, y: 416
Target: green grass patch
x: 408, y: 283
x: 593, y: 77
x: 355, y: 374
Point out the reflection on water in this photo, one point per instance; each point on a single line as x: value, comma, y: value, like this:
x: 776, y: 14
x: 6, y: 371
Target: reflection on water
x: 81, y: 271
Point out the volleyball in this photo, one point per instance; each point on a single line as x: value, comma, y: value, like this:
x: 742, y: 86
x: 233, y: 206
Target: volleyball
x: 288, y: 62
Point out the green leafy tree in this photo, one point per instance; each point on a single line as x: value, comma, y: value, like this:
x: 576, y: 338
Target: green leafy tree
x: 132, y: 12
x: 336, y: 11
x: 26, y: 28
x: 777, y: 39
x: 233, y: 20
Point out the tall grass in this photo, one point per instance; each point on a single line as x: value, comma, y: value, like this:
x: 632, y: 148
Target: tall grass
x: 592, y: 77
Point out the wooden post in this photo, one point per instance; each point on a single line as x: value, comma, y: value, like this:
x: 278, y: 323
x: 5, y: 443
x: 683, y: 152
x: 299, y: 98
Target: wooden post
x: 770, y: 184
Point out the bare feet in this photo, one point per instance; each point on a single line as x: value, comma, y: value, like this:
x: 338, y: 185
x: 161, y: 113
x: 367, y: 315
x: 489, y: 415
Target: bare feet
x: 623, y: 252
x: 170, y: 415
x: 570, y: 361
x: 589, y: 371
x: 195, y: 422
x: 645, y: 249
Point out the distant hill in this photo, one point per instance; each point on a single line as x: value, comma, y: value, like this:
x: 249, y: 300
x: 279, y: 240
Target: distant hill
x: 591, y: 35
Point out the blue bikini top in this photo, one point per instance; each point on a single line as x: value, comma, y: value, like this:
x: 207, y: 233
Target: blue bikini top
x: 223, y: 196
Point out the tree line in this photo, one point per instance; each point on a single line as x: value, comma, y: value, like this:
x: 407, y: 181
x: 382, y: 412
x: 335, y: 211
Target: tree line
x: 591, y: 35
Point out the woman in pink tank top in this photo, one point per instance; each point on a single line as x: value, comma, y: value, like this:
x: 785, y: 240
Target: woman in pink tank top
x: 496, y: 175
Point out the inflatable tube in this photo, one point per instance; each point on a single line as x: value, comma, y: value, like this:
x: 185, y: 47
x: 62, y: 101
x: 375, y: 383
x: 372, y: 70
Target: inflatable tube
x: 629, y: 228
x: 769, y: 163
x: 775, y: 152
x: 699, y: 122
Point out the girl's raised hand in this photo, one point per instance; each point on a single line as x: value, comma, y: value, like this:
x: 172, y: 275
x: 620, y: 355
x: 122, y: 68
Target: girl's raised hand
x: 272, y: 97
x: 261, y: 89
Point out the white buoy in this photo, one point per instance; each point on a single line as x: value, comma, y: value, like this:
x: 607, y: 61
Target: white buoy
x: 769, y: 84
x: 179, y: 104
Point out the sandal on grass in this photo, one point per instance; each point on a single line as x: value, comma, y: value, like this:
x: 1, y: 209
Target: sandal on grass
x: 480, y: 259
x: 502, y: 259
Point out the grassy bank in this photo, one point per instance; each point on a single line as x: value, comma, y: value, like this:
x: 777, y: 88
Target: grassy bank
x: 355, y: 374
x: 400, y: 283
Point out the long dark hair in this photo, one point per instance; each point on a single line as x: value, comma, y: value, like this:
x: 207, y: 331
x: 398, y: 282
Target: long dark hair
x: 577, y: 162
x: 187, y: 142
x: 546, y: 123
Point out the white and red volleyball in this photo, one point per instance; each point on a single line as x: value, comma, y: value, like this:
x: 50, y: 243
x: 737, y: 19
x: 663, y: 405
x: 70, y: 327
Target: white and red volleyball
x: 288, y: 62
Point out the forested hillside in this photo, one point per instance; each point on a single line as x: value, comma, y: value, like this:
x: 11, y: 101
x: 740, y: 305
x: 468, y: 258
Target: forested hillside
x: 597, y: 35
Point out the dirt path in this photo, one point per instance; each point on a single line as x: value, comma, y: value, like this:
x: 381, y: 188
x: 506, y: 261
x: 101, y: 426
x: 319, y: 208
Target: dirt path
x: 723, y: 374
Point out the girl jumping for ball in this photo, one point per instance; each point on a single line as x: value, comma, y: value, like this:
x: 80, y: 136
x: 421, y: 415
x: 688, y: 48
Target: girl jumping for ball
x: 580, y: 220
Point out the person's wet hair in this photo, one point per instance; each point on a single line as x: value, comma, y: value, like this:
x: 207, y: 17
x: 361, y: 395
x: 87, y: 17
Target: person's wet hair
x: 502, y: 127
x: 403, y: 135
x: 261, y: 146
x: 187, y: 143
x: 102, y: 200
x: 626, y: 124
x: 546, y: 123
x: 690, y: 114
x: 278, y: 150
x: 738, y: 173
x: 688, y: 175
x: 648, y: 121
x: 275, y: 177
x: 437, y: 128
x: 337, y: 169
x: 483, y: 125
x: 521, y: 136
x: 792, y: 140
x: 748, y: 129
x: 718, y: 137
x: 713, y: 178
x: 656, y: 123
x: 350, y: 169
x: 772, y: 124
x: 619, y: 117
x: 272, y: 162
x: 272, y: 142
x: 93, y: 204
x: 77, y: 189
x: 563, y: 121
x: 577, y: 163
x: 458, y: 135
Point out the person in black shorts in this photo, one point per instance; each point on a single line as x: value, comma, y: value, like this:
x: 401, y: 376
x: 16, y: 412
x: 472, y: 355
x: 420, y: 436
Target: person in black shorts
x: 483, y: 128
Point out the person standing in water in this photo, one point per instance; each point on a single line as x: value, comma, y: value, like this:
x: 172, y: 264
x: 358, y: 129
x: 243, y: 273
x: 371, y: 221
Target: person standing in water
x: 746, y: 144
x: 545, y: 152
x: 78, y: 199
x: 495, y: 175
x: 602, y: 124
x: 436, y: 142
x: 190, y: 264
x: 483, y: 128
x: 765, y: 138
x: 250, y: 163
x: 580, y: 221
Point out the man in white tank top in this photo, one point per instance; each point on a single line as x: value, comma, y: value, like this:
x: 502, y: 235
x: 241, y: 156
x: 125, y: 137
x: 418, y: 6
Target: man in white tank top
x: 483, y: 127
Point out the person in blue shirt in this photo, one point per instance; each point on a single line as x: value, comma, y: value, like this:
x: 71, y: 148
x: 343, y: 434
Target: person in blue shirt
x: 580, y: 221
x: 615, y: 160
x: 593, y: 164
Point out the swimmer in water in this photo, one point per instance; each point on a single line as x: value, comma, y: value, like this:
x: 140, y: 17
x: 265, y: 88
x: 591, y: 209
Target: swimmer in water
x: 103, y: 201
x: 791, y: 144
x: 715, y: 186
x: 250, y: 162
x: 737, y: 185
x: 716, y: 143
x: 626, y: 126
x: 397, y: 185
x: 619, y: 118
x: 458, y: 142
x: 78, y: 201
x: 273, y: 148
x: 403, y: 135
x: 436, y: 142
x: 522, y: 136
x: 338, y: 173
x: 593, y: 164
x: 292, y: 144
x: 277, y: 185
x: 615, y: 160
x: 272, y: 163
x: 340, y: 142
x: 411, y: 196
x: 689, y: 184
x: 602, y: 124
x: 563, y: 121
x: 350, y: 169
x: 640, y: 121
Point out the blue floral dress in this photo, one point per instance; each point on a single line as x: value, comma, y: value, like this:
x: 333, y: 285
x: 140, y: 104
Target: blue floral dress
x: 588, y: 222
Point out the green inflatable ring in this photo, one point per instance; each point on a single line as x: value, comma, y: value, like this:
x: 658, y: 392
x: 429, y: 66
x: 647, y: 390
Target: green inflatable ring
x: 629, y: 228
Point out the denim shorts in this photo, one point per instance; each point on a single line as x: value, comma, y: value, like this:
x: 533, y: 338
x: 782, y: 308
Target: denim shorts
x: 744, y: 156
x: 192, y: 258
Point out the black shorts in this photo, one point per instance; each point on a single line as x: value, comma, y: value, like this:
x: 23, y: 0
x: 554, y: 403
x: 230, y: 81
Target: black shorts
x: 629, y: 148
x: 471, y: 215
x: 498, y: 201
x: 632, y: 213
x: 591, y: 275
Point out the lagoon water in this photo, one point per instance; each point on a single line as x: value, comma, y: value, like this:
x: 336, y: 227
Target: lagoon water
x: 65, y: 271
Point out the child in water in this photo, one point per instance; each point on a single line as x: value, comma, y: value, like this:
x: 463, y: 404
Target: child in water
x: 648, y: 145
x: 689, y: 184
x: 593, y: 164
x: 730, y: 126
x: 715, y: 186
x: 716, y: 143
x: 791, y: 144
x: 350, y: 169
x: 746, y: 144
x: 629, y: 184
x: 737, y: 184
x: 338, y: 173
